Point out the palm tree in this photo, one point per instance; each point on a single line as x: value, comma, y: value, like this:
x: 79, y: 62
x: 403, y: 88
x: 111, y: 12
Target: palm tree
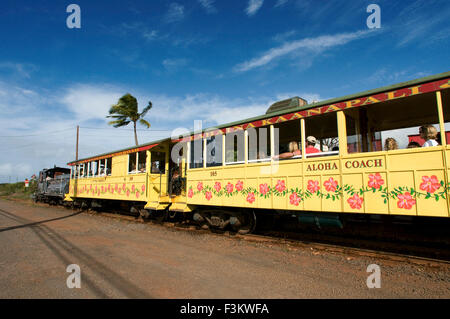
x: 126, y: 111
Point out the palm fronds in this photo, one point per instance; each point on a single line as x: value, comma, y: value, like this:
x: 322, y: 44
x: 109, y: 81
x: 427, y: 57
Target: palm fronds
x: 126, y: 111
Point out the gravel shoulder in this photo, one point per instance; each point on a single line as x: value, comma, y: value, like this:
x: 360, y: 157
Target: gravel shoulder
x: 125, y: 259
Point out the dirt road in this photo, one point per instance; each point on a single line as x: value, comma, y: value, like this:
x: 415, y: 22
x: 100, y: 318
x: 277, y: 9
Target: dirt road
x: 125, y: 259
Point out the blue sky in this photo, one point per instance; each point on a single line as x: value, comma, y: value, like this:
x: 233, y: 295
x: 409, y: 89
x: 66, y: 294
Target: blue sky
x: 216, y: 61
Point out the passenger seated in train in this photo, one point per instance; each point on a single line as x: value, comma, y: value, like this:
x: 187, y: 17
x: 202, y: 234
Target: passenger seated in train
x: 141, y: 168
x: 293, y: 151
x: 428, y: 133
x: 176, y: 181
x: 413, y: 144
x: 310, y: 145
x: 390, y: 144
x: 155, y: 168
x: 133, y: 169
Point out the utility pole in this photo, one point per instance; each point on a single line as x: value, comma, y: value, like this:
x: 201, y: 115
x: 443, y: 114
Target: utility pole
x: 78, y: 134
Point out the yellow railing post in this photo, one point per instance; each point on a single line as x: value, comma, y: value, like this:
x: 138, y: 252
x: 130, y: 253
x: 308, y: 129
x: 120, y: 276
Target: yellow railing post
x: 223, y: 149
x: 342, y: 133
x: 303, y: 137
x: 272, y: 141
x: 204, y: 152
x: 246, y: 147
x: 441, y: 117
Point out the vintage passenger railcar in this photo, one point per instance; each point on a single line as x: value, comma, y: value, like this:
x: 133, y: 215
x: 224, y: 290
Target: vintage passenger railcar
x: 223, y: 185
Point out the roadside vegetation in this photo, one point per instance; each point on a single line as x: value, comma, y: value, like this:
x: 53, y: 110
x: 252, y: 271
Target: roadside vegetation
x: 17, y: 190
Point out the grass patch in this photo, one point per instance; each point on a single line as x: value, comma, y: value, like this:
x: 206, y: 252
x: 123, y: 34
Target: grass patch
x: 18, y: 190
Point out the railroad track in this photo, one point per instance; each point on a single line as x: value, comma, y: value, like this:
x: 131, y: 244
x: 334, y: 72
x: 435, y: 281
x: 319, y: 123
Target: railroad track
x: 351, y: 252
x: 315, y: 246
x: 313, y: 242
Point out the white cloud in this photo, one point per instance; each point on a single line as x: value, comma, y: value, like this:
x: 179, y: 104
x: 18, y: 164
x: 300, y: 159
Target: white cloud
x: 18, y: 100
x: 208, y: 5
x: 213, y: 109
x: 37, y: 128
x: 149, y: 35
x: 138, y: 28
x: 20, y: 69
x: 188, y: 40
x: 280, y: 3
x: 174, y: 64
x: 175, y: 13
x: 314, y: 45
x: 281, y: 37
x: 42, y: 132
x: 253, y: 6
x: 89, y: 101
x: 388, y: 75
x: 418, y: 22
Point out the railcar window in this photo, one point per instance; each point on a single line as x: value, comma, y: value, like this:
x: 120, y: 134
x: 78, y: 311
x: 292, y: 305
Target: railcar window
x: 93, y: 169
x: 214, y: 151
x: 393, y: 124
x: 321, y: 135
x: 82, y: 170
x: 353, y: 128
x: 142, y: 161
x: 259, y: 144
x: 101, y: 168
x: 158, y: 163
x: 108, y: 166
x: 132, y: 159
x: 235, y: 148
x: 196, y: 158
x: 287, y: 140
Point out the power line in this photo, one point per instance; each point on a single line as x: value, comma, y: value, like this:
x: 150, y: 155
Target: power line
x: 84, y: 127
x: 123, y: 129
x: 46, y: 133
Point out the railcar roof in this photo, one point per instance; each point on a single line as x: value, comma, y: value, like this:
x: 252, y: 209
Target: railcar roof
x: 295, y: 109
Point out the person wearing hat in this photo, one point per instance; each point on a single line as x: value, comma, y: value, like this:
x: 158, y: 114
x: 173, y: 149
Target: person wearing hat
x: 310, y: 143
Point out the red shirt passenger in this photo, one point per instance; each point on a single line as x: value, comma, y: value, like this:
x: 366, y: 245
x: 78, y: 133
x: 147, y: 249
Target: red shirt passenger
x: 310, y: 143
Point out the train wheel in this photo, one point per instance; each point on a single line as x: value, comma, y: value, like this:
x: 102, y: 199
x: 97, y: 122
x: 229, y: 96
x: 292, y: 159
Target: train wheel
x: 244, y: 223
x: 160, y: 216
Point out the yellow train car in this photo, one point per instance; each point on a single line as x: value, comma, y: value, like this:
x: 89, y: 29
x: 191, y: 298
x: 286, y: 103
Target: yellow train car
x: 357, y: 154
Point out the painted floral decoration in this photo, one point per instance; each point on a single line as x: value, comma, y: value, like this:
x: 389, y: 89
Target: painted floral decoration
x: 355, y: 201
x: 375, y: 181
x: 330, y: 185
x: 313, y: 186
x: 294, y: 199
x: 405, y: 201
x: 430, y: 184
x: 251, y: 197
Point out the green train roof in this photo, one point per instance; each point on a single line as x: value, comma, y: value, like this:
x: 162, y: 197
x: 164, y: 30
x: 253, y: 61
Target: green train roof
x: 288, y: 109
